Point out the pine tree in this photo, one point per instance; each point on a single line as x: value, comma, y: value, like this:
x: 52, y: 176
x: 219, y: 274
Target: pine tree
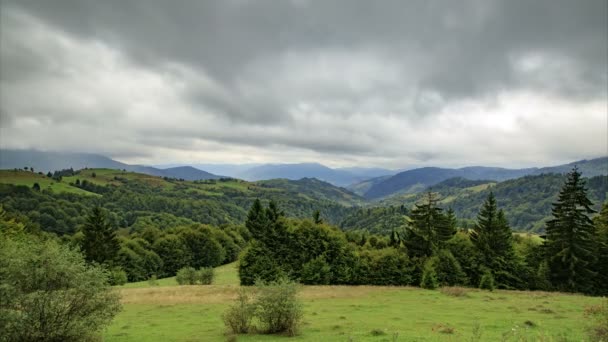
x: 99, y: 243
x: 570, y: 244
x: 257, y: 221
x: 493, y: 239
x: 429, y: 228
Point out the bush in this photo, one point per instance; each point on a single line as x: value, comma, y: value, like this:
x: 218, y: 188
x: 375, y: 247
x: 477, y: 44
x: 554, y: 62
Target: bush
x: 429, y: 276
x: 117, y: 276
x: 49, y: 293
x: 277, y: 307
x: 205, y: 275
x: 487, y: 281
x: 186, y: 276
x: 238, y: 317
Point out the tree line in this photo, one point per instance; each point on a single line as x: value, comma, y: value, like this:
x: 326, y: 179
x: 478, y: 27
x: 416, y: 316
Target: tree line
x: 431, y: 251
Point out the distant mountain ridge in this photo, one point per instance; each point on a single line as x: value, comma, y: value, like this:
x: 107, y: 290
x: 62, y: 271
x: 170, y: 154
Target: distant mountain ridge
x: 52, y: 161
x: 416, y: 180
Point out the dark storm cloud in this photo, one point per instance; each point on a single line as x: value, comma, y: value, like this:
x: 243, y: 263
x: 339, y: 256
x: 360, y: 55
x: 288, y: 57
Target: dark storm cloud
x: 350, y: 78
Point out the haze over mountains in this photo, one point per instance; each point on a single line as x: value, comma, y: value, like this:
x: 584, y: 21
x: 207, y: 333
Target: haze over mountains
x: 371, y: 183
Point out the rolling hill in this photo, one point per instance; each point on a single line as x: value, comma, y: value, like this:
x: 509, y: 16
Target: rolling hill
x: 52, y: 161
x: 299, y: 171
x: 416, y: 180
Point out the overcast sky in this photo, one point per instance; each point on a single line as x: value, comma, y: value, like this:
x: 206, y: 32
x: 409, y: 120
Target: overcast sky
x: 368, y: 83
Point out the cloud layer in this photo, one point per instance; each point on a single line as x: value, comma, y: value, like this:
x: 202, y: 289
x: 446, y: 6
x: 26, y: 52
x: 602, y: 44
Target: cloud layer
x: 388, y: 83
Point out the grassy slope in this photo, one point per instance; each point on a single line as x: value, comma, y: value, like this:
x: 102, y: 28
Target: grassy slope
x: 28, y: 179
x: 193, y: 313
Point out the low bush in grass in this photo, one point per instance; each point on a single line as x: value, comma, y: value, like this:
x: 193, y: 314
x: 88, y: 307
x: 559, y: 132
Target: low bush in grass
x: 275, y: 309
x: 205, y: 276
x: 186, y: 276
x: 429, y: 276
x: 239, y: 315
x: 191, y: 276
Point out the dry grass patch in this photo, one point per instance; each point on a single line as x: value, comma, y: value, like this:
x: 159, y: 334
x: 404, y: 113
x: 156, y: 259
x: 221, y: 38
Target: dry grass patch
x: 455, y: 291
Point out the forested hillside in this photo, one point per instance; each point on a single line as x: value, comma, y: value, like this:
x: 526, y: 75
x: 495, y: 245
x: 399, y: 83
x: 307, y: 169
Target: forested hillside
x: 60, y: 204
x: 526, y: 200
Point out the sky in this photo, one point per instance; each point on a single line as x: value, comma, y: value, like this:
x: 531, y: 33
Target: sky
x: 384, y: 83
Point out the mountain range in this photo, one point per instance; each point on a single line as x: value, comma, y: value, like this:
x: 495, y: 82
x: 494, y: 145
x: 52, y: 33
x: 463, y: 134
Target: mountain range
x: 52, y: 161
x: 370, y: 183
x: 416, y: 180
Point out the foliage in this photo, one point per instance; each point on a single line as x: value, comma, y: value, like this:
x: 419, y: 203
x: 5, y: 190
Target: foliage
x: 99, y: 243
x: 117, y: 276
x: 49, y: 293
x: 487, y: 281
x: 316, y: 272
x: 277, y: 308
x: 429, y: 276
x: 570, y: 238
x: 205, y: 276
x: 186, y: 276
x: 430, y: 228
x: 238, y: 318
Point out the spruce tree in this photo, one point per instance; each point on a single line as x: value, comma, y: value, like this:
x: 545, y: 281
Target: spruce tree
x: 99, y: 243
x: 257, y: 221
x: 429, y: 229
x: 570, y: 244
x: 493, y: 239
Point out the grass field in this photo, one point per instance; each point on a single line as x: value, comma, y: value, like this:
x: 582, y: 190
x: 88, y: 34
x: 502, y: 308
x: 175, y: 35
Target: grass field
x: 168, y: 312
x: 28, y: 179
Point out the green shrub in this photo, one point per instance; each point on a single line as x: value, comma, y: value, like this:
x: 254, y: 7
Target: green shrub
x: 277, y: 307
x: 153, y: 281
x: 49, y: 293
x: 186, y: 276
x: 117, y: 276
x: 238, y: 317
x: 487, y: 281
x: 429, y: 276
x: 205, y: 276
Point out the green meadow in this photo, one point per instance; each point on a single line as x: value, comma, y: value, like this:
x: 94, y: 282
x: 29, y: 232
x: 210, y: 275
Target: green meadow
x: 167, y: 312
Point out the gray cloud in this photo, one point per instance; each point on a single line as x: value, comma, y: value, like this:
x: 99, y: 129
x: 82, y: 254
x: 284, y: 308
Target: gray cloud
x: 388, y: 82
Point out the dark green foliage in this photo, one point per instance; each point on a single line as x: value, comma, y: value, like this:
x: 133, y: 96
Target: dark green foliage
x: 487, y: 281
x: 493, y: 240
x: 448, y: 269
x: 174, y: 253
x: 99, y: 243
x: 316, y: 272
x: 429, y: 276
x: 430, y: 228
x: 387, y: 266
x: 258, y: 263
x: 205, y: 251
x: 36, y: 187
x: 378, y: 220
x: 571, y: 237
x: 138, y: 260
x: 186, y: 276
x: 49, y: 293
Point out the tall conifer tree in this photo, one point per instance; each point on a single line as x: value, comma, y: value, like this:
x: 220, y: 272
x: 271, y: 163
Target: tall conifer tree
x: 493, y: 239
x: 99, y: 243
x: 429, y: 229
x: 570, y: 244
